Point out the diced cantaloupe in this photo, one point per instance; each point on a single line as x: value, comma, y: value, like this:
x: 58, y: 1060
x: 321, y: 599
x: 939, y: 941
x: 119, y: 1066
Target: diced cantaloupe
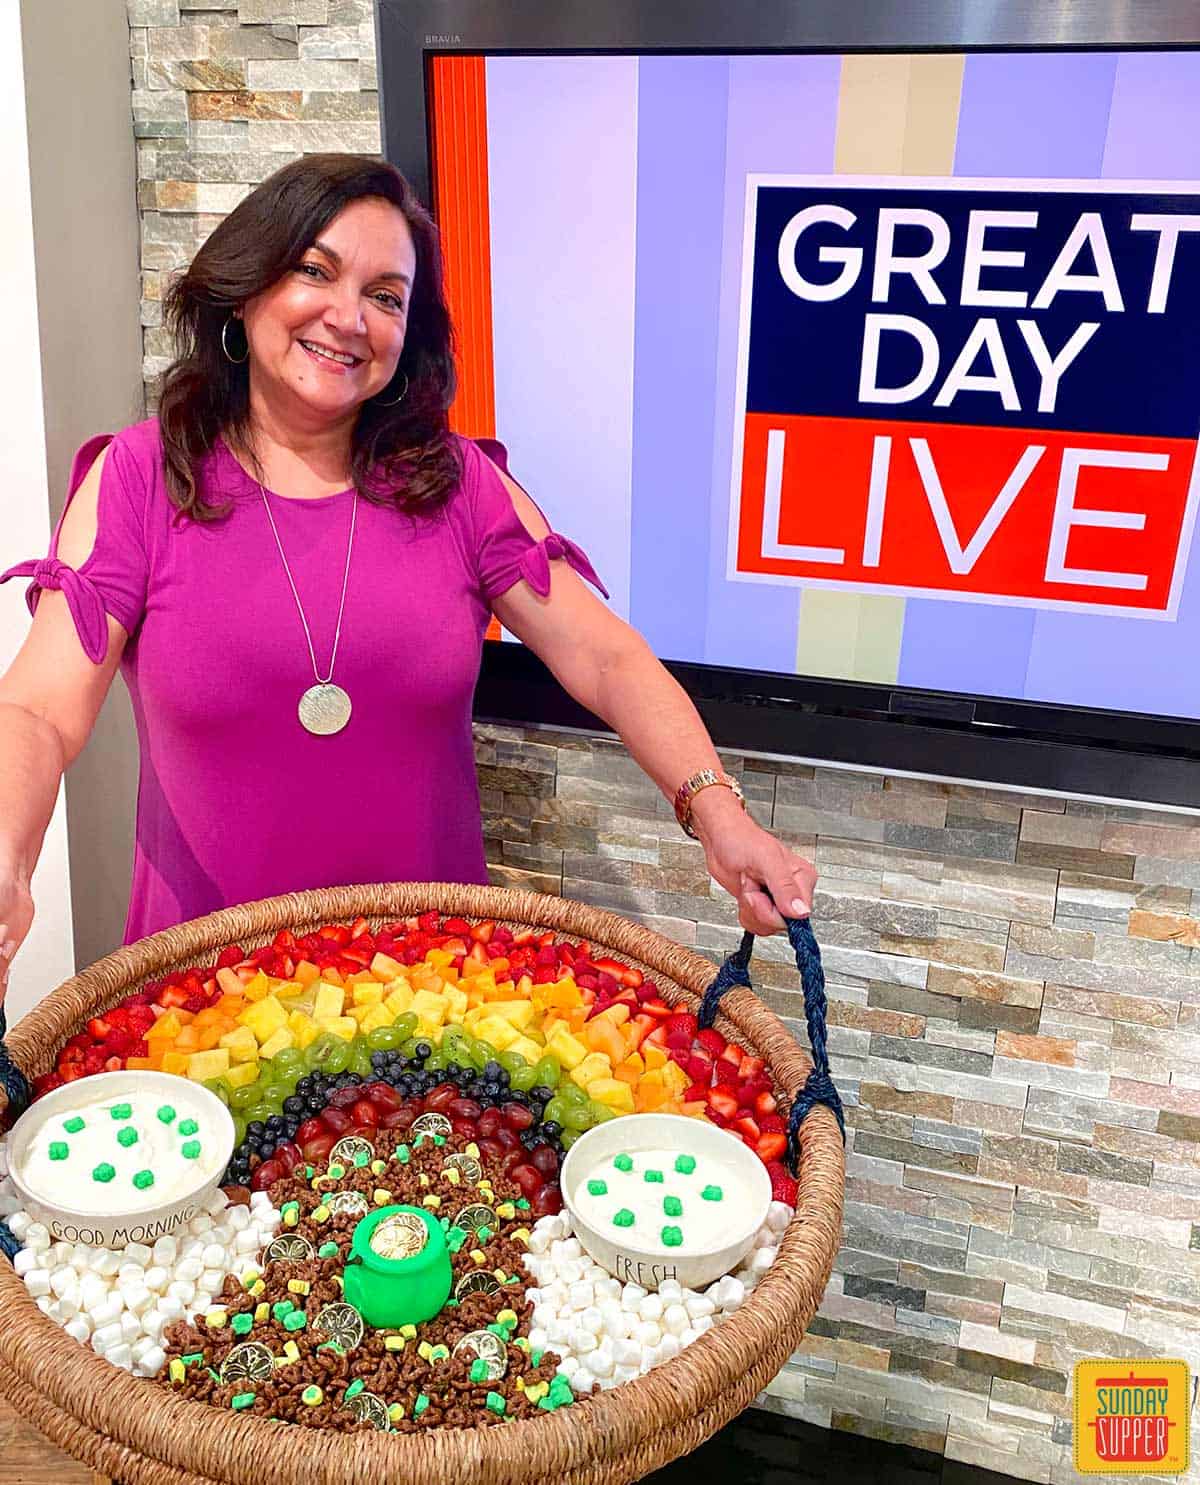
x: 307, y: 972
x: 440, y: 958
x: 277, y: 1042
x: 204, y: 1065
x: 654, y: 1057
x: 265, y: 1018
x: 563, y: 995
x: 385, y: 968
x: 613, y: 1092
x: 331, y: 975
x: 603, y: 1036
x: 241, y: 1074
x: 166, y: 1028
x: 176, y: 1062
x: 368, y: 992
x: 594, y: 1065
x: 228, y: 981
x: 188, y: 1040
x: 143, y: 1064
x: 328, y: 1001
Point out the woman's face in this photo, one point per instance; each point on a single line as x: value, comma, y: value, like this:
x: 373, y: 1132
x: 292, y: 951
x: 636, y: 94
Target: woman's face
x: 330, y: 331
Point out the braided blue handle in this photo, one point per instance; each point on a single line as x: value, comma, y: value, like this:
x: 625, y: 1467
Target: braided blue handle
x: 14, y: 1083
x: 818, y: 1087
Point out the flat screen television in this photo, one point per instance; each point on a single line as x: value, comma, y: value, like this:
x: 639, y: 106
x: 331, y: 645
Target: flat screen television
x: 859, y: 346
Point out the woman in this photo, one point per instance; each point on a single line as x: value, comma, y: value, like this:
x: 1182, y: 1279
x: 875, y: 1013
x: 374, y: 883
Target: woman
x: 294, y: 565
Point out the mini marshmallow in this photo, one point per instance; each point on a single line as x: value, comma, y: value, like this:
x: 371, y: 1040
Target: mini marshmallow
x: 211, y: 1280
x: 153, y: 1324
x: 697, y: 1305
x: 106, y: 1263
x: 762, y: 1259
x: 675, y: 1319
x: 120, y: 1356
x: 25, y: 1260
x: 539, y: 1242
x: 104, y: 1339
x: 627, y: 1353
x: 213, y: 1256
x: 19, y: 1224
x: 592, y: 1320
x: 538, y: 1339
x: 617, y: 1322
x: 107, y: 1312
x: 600, y: 1362
x: 668, y: 1347
x: 130, y: 1273
x: 59, y: 1254
x: 608, y: 1289
x: 779, y: 1214
x: 582, y: 1382
x: 651, y: 1308
x: 647, y: 1333
x: 156, y: 1279
x: 581, y: 1295
x: 239, y: 1218
x: 165, y: 1251
x: 137, y: 1253
x: 45, y: 1304
x: 189, y: 1270
x: 78, y: 1329
x: 568, y: 1366
x: 632, y: 1296
x: 200, y: 1224
x: 216, y: 1203
x: 182, y: 1289
x: 130, y: 1325
x: 582, y: 1341
x: 140, y: 1347
x: 731, y: 1292
x: 81, y: 1256
x: 37, y: 1281
x: 37, y: 1237
x: 670, y: 1291
x: 701, y: 1324
x: 138, y: 1301
x: 152, y: 1362
x: 64, y: 1281
x: 247, y: 1241
x: 170, y: 1307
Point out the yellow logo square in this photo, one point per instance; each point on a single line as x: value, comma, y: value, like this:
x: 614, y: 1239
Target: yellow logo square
x: 1132, y: 1417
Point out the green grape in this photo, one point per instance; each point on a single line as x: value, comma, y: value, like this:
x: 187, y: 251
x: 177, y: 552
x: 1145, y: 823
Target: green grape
x: 556, y: 1111
x: 318, y: 1049
x: 256, y: 1113
x: 410, y: 1046
x: 602, y: 1113
x: 436, y: 1060
x: 523, y: 1079
x: 570, y: 1092
x: 360, y: 1058
x: 384, y: 1039
x: 220, y: 1087
x: 243, y: 1098
x: 547, y: 1073
x: 288, y: 1065
x: 510, y: 1061
x: 337, y: 1057
x: 405, y: 1025
x: 580, y: 1118
x: 239, y: 1129
x: 272, y: 1099
x: 569, y: 1136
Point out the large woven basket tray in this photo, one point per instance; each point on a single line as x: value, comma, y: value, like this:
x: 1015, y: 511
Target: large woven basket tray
x: 139, y: 1434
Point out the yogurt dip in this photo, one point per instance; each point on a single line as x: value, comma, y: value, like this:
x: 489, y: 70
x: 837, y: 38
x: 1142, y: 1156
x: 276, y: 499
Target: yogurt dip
x: 124, y: 1152
x: 665, y: 1201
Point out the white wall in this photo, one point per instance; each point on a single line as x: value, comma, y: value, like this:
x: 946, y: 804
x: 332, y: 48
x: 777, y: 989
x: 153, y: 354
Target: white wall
x: 47, y: 957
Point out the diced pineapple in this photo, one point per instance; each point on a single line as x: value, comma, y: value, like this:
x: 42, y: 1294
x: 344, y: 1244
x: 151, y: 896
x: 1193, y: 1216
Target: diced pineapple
x: 611, y: 1091
x: 288, y: 989
x: 377, y: 1016
x: 456, y: 1003
x: 328, y: 1001
x: 256, y: 988
x: 594, y: 1065
x: 242, y: 1044
x: 385, y: 968
x: 204, y: 1065
x: 526, y: 1047
x: 368, y: 993
x: 519, y: 1012
x: 675, y: 1080
x: 265, y: 1018
x: 400, y: 999
x: 357, y: 1012
x: 276, y: 1043
x: 496, y: 1031
x: 306, y: 1034
x: 241, y: 1074
x: 569, y: 1051
x: 344, y: 1026
x: 429, y: 1008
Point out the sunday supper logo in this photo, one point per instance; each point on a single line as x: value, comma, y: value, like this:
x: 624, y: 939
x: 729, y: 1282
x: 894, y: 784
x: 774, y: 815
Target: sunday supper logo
x: 969, y: 389
x: 1132, y: 1417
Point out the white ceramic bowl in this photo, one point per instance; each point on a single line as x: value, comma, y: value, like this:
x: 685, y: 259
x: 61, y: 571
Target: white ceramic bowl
x: 634, y: 1132
x: 113, y: 1229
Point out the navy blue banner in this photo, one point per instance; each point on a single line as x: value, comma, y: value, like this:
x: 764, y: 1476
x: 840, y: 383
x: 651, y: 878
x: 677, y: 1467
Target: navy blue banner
x: 1098, y: 328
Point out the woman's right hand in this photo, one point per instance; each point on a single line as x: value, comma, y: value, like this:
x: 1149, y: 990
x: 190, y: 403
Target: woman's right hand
x: 16, y: 916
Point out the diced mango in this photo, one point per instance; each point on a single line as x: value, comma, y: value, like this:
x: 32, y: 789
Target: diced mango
x: 257, y: 988
x: 188, y: 1040
x: 377, y: 1017
x: 328, y: 1001
x: 204, y: 1065
x: 615, y: 1094
x: 675, y: 1080
x: 440, y: 958
x: 594, y: 1065
x: 332, y: 976
x: 241, y: 1074
x: 385, y: 968
x: 618, y: 1013
x: 307, y: 972
x: 166, y: 1028
x: 565, y: 1047
x: 603, y: 1036
x: 368, y: 992
x: 265, y: 1018
x: 496, y: 1031
x: 176, y: 1062
x: 143, y: 1064
x: 563, y: 995
x: 277, y: 1042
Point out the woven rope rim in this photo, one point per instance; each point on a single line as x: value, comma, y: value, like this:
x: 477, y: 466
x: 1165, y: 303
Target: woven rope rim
x: 615, y: 1436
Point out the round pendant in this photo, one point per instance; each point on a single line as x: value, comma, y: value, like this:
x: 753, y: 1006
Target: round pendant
x: 324, y: 709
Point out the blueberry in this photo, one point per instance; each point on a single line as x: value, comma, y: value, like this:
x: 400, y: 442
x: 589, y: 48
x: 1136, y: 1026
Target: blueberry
x: 314, y: 1103
x: 275, y: 1123
x: 293, y: 1105
x: 378, y: 1060
x: 492, y: 1071
x: 452, y: 1071
x: 551, y: 1129
x: 541, y: 1093
x: 256, y: 1127
x: 423, y: 1050
x: 521, y: 1098
x: 290, y: 1125
x: 268, y: 1149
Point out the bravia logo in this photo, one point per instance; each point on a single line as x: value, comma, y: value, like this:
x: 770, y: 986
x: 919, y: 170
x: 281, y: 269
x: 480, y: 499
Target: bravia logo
x: 1132, y: 1417
x: 440, y: 39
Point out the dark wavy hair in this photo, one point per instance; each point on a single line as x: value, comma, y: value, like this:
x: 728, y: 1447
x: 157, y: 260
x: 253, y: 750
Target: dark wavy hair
x: 403, y: 456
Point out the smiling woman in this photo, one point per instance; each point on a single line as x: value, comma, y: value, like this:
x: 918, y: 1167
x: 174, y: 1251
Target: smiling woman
x: 294, y: 566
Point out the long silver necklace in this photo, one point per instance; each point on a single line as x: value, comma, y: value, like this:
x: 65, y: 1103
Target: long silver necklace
x: 324, y: 708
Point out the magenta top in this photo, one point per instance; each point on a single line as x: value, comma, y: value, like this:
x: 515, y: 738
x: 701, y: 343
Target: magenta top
x: 236, y: 801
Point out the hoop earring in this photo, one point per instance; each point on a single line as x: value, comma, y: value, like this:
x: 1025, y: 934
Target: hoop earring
x: 395, y: 400
x: 237, y: 360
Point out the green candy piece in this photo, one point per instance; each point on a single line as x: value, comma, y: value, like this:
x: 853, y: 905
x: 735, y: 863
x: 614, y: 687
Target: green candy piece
x: 354, y: 1389
x: 193, y: 1358
x: 328, y: 1250
x: 336, y: 1171
x: 654, y: 1176
x: 535, y: 1357
x: 402, y: 1153
x: 496, y: 1403
x: 121, y: 1111
x: 73, y: 1125
x: 290, y: 1206
x: 672, y: 1206
x: 597, y: 1188
x: 420, y: 1405
x: 479, y: 1370
x: 190, y: 1150
x: 712, y: 1193
x: 297, y: 1320
x: 483, y: 1234
x: 521, y: 1204
x: 166, y: 1113
x: 188, y: 1126
x: 455, y: 1238
x: 623, y: 1218
x: 242, y: 1324
x: 623, y: 1162
x: 685, y: 1164
x: 241, y: 1400
x: 59, y: 1150
x: 144, y: 1180
x: 361, y: 1159
x: 103, y: 1172
x: 127, y: 1137
x: 282, y: 1308
x: 672, y: 1237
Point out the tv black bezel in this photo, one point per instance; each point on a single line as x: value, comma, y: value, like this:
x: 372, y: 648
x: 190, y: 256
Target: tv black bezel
x: 985, y: 739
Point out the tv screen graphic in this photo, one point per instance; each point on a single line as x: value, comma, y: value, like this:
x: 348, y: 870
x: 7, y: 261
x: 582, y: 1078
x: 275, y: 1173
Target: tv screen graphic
x: 858, y: 370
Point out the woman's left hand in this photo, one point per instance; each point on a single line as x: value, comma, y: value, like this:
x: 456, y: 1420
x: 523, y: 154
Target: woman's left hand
x: 749, y: 862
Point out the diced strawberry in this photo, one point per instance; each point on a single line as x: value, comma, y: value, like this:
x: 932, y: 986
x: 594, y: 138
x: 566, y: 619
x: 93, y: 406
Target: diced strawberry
x: 699, y: 1069
x: 194, y: 1003
x: 482, y: 932
x: 697, y: 1093
x: 228, y: 957
x: 93, y: 1060
x: 98, y: 1027
x: 456, y: 925
x: 771, y: 1146
x: 502, y: 935
x: 172, y: 995
x: 46, y: 1084
x: 746, y: 1096
x: 679, y: 1041
x: 543, y: 939
x: 357, y: 928
x: 722, y: 1101
x: 771, y: 1124
x: 141, y: 1017
x: 682, y: 1021
x: 783, y: 1188
x: 714, y: 1116
x: 750, y: 1067
x: 545, y: 974
x: 732, y: 1053
x: 745, y: 1125
x: 646, y: 992
x: 113, y: 1064
x: 428, y: 922
x: 725, y: 1075
x: 80, y: 1040
x: 711, y: 1040
x: 119, y: 1043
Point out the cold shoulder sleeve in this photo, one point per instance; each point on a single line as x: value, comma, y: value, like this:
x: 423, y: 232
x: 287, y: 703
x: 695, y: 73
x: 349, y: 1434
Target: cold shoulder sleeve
x: 113, y: 578
x: 505, y: 552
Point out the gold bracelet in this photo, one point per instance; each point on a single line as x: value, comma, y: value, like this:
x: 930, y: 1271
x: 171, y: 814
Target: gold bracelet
x: 686, y: 793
